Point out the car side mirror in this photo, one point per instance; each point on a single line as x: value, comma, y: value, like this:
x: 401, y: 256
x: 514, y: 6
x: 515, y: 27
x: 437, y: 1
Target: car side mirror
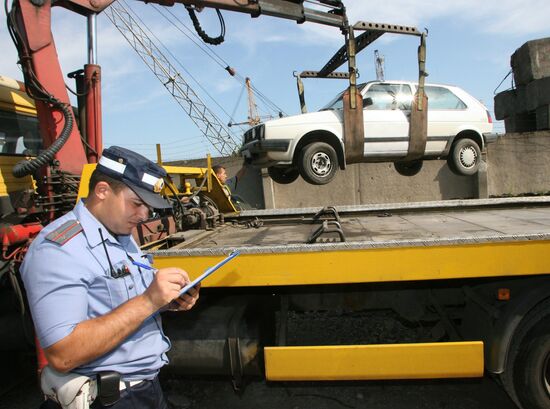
x: 367, y: 102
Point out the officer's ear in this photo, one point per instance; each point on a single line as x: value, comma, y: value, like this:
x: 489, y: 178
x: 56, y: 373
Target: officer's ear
x: 102, y: 190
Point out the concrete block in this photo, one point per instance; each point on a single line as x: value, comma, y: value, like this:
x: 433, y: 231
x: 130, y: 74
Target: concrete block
x: 537, y: 93
x: 531, y: 61
x: 543, y: 117
x: 524, y: 98
x: 522, y: 122
x: 518, y: 164
x: 505, y: 104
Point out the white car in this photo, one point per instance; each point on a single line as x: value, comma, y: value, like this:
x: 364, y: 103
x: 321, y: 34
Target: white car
x: 311, y: 145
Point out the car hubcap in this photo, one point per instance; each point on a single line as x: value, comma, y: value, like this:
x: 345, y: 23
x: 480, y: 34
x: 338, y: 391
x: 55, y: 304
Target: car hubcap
x: 321, y: 164
x: 468, y: 157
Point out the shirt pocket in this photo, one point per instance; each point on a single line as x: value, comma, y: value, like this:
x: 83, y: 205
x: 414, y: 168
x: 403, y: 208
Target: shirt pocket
x: 118, y: 291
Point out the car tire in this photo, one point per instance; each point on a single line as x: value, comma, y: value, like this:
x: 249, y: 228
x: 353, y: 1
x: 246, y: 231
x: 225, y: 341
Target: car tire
x: 465, y: 157
x: 409, y: 168
x: 318, y: 163
x: 283, y: 176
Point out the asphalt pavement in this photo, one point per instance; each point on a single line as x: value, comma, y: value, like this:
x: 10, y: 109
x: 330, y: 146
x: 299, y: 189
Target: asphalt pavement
x: 184, y: 393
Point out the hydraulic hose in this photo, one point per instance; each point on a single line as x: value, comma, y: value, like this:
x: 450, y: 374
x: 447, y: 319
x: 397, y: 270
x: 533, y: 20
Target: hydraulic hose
x: 27, y: 167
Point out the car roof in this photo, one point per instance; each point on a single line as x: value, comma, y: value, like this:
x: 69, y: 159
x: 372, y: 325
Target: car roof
x: 404, y: 82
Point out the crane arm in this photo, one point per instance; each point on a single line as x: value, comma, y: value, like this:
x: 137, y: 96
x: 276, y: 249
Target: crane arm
x: 286, y: 9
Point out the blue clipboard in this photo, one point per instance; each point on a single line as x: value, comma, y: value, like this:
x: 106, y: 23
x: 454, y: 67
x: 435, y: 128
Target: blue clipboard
x: 209, y: 271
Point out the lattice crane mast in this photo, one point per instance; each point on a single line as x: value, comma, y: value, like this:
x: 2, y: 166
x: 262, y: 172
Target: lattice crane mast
x: 207, y: 122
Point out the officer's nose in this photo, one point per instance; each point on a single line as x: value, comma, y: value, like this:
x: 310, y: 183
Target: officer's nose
x: 143, y: 212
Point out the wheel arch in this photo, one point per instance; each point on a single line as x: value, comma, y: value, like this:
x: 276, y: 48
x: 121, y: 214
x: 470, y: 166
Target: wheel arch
x: 467, y: 133
x: 320, y: 136
x: 512, y: 323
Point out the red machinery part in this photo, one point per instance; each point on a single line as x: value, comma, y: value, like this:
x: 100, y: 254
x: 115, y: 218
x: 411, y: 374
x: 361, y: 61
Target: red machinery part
x: 18, y: 233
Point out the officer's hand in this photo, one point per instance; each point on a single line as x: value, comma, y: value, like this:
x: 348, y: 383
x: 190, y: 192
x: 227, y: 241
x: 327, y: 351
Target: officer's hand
x: 166, y: 286
x: 187, y: 300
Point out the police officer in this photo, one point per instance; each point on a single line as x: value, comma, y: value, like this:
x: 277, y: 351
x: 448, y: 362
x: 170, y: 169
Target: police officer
x: 94, y: 298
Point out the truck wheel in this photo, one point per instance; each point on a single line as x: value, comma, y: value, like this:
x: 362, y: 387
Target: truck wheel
x: 284, y: 176
x: 527, y: 374
x: 532, y: 368
x: 465, y: 157
x: 409, y: 168
x: 318, y: 163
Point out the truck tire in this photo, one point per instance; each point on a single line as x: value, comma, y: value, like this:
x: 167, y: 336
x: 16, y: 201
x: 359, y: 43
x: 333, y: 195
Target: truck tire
x: 283, y: 176
x: 465, y: 157
x: 318, y: 163
x: 532, y: 372
x: 410, y: 168
x: 527, y: 374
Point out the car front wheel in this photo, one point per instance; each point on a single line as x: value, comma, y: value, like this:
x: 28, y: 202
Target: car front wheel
x: 318, y: 163
x: 283, y: 176
x: 465, y: 157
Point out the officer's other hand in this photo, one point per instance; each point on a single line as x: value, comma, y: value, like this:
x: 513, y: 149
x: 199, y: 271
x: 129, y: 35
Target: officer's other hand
x: 187, y: 300
x: 166, y: 286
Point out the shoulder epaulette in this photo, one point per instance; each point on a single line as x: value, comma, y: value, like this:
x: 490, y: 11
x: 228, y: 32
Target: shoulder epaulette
x: 65, y: 232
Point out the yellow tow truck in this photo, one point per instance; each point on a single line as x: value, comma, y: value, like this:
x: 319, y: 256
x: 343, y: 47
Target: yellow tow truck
x: 468, y: 278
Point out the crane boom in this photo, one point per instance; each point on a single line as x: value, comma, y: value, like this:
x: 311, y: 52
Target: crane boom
x: 207, y: 122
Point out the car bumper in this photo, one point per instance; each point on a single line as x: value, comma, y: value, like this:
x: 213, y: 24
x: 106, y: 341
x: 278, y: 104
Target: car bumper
x: 266, y: 152
x: 490, y: 137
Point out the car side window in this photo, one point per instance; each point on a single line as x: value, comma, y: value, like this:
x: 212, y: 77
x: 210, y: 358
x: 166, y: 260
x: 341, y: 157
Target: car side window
x: 388, y: 97
x: 443, y: 98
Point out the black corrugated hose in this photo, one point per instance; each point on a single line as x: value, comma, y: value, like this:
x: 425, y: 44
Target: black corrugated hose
x: 28, y: 167
x: 36, y: 91
x: 205, y: 37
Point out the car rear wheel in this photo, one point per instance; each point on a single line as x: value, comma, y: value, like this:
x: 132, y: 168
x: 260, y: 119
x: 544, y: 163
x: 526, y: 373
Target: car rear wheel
x: 465, y: 157
x: 409, y: 168
x: 283, y: 176
x: 318, y: 163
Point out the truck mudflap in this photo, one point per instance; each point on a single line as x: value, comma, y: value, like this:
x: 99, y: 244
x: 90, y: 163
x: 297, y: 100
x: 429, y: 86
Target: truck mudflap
x: 375, y: 362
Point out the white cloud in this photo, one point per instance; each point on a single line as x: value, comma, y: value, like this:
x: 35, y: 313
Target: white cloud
x: 505, y: 17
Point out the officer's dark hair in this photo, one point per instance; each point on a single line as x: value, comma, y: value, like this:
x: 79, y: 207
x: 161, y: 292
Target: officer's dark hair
x: 98, y: 176
x: 217, y: 168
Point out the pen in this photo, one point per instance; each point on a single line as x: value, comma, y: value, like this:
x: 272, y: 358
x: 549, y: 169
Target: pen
x: 142, y: 265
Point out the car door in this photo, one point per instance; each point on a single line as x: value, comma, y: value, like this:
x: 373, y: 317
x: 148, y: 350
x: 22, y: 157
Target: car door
x: 386, y: 111
x: 446, y: 113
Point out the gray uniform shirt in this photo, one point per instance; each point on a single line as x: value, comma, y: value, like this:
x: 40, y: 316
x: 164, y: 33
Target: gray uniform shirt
x: 70, y: 282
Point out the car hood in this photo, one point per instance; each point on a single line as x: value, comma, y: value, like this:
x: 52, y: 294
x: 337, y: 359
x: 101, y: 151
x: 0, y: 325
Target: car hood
x: 328, y: 116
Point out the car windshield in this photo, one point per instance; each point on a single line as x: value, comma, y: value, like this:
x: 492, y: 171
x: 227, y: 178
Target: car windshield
x: 337, y: 103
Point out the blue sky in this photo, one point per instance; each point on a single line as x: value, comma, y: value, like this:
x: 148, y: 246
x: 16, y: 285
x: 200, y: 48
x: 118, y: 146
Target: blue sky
x: 469, y: 45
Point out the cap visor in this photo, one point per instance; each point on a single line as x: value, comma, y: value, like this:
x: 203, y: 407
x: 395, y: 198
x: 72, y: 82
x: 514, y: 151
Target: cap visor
x: 151, y: 199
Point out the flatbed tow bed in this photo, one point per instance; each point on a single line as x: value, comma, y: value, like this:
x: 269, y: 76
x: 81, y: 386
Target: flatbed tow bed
x: 460, y: 259
x: 513, y: 230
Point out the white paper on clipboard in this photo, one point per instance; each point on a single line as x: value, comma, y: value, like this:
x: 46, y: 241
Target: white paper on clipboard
x: 209, y: 271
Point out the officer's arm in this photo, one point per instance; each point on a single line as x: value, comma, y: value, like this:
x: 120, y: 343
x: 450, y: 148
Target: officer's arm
x: 95, y: 337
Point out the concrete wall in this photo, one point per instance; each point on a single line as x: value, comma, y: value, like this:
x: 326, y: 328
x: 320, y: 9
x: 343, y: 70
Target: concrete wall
x: 372, y: 183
